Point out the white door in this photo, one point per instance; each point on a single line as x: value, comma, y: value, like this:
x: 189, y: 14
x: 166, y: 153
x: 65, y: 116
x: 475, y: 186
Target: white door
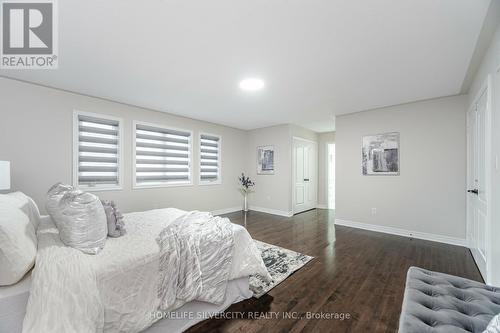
x: 305, y: 159
x: 477, y: 196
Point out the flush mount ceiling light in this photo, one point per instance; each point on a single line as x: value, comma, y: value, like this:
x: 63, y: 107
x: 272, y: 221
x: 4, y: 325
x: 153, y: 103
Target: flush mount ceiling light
x: 251, y: 84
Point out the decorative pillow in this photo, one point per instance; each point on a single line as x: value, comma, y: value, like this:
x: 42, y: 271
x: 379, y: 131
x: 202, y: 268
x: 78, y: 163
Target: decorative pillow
x: 54, y: 196
x: 18, y: 242
x: 494, y: 325
x: 79, y: 217
x: 26, y: 204
x: 116, y: 226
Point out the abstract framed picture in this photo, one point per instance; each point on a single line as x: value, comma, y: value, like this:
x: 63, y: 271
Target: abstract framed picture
x: 380, y: 154
x: 265, y: 160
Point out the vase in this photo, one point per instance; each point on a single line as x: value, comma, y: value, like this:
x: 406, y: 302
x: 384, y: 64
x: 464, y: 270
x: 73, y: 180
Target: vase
x: 245, y: 202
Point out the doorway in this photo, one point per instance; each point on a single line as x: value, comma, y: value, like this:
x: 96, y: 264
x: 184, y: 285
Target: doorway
x: 305, y: 180
x: 331, y: 175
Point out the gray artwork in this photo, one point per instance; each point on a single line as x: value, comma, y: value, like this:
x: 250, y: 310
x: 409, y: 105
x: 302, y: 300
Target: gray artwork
x: 265, y: 160
x: 380, y: 154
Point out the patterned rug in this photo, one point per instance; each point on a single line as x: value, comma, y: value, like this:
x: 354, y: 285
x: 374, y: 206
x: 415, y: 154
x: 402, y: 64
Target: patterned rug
x: 280, y: 263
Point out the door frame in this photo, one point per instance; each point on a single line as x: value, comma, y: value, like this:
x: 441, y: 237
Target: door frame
x: 327, y: 168
x: 292, y: 167
x: 486, y: 87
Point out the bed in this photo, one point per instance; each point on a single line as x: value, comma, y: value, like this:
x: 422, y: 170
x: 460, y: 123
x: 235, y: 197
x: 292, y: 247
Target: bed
x: 126, y: 276
x: 13, y: 301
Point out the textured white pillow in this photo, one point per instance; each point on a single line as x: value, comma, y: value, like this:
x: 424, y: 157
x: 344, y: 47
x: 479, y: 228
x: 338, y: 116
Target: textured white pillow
x: 25, y: 203
x: 18, y: 242
x: 494, y: 326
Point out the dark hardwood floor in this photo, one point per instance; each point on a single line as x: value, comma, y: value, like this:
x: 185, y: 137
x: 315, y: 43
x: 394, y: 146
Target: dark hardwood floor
x: 356, y: 272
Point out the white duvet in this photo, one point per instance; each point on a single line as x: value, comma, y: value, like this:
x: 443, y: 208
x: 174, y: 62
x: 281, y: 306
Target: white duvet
x: 116, y: 290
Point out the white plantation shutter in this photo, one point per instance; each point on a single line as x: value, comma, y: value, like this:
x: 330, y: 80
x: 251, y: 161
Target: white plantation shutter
x: 162, y: 156
x: 210, y: 147
x: 97, y: 150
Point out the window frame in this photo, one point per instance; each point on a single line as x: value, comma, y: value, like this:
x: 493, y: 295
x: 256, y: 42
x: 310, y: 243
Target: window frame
x: 76, y: 151
x: 136, y: 186
x: 219, y: 161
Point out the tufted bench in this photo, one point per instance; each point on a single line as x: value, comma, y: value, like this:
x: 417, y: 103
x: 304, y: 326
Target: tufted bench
x: 440, y: 303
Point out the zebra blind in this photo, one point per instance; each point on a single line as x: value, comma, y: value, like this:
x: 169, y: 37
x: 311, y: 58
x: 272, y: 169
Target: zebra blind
x: 209, y: 158
x: 162, y: 156
x: 98, y: 151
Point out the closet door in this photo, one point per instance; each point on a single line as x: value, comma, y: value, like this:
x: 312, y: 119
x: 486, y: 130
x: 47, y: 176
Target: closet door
x: 305, y: 163
x: 477, y: 182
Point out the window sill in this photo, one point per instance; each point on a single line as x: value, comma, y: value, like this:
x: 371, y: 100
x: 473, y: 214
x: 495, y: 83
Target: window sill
x: 99, y: 189
x: 219, y: 182
x: 141, y: 187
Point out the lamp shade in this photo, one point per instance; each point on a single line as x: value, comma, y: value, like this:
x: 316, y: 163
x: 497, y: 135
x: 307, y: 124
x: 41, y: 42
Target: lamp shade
x: 4, y: 175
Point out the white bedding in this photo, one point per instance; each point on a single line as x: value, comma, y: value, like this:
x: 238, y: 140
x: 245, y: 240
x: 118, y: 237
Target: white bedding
x: 120, y: 283
x: 13, y: 300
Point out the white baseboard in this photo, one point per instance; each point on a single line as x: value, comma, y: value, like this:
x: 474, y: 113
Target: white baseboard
x: 226, y: 210
x: 322, y: 206
x: 271, y: 211
x: 257, y: 209
x: 403, y: 232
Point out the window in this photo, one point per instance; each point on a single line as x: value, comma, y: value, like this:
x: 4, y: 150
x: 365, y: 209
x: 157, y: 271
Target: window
x: 210, y: 161
x: 97, y: 163
x: 162, y: 156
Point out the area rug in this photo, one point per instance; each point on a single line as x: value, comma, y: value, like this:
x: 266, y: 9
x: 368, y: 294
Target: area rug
x: 280, y: 263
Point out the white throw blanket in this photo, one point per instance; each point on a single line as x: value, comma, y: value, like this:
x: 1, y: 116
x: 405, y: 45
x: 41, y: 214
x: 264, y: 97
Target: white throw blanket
x: 195, y: 259
x: 117, y: 290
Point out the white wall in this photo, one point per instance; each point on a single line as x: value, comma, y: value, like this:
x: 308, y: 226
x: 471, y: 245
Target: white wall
x: 273, y: 193
x: 490, y: 66
x: 429, y: 195
x: 323, y: 140
x: 36, y: 136
x: 304, y: 133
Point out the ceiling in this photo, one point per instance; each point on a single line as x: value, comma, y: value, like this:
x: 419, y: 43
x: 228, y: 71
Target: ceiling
x: 318, y: 58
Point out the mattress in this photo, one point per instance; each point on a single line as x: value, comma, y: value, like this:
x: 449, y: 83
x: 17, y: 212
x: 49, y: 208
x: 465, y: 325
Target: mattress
x: 194, y: 312
x: 13, y: 300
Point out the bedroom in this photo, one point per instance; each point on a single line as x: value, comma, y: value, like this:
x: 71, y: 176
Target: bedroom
x: 359, y: 129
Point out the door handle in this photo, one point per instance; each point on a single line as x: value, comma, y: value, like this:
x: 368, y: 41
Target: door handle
x: 475, y: 191
x: 306, y: 179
